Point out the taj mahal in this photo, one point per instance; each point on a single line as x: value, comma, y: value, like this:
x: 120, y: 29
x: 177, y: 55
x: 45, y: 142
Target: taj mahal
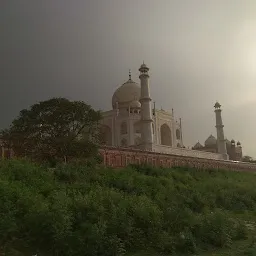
x: 134, y: 122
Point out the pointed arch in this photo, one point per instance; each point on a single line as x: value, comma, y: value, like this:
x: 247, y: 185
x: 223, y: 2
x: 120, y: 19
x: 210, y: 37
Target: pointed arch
x: 137, y: 128
x: 137, y: 141
x: 105, y: 135
x: 123, y: 128
x: 166, y: 135
x: 178, y: 134
x: 124, y: 142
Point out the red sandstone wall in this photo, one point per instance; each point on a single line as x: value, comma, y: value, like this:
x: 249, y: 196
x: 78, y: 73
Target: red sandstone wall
x: 121, y: 157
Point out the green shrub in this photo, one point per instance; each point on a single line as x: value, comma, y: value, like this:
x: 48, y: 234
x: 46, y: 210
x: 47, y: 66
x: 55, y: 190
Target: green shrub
x: 251, y: 251
x: 79, y: 209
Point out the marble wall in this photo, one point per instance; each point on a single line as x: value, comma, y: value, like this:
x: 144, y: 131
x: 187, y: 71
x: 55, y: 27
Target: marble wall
x: 187, y: 152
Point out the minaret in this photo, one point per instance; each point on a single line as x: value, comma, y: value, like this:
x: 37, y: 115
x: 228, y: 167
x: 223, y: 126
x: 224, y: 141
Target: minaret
x: 154, y: 112
x: 146, y: 110
x: 221, y: 142
x: 181, y: 133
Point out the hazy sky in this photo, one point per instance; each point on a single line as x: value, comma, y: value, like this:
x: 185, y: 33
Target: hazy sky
x: 198, y: 51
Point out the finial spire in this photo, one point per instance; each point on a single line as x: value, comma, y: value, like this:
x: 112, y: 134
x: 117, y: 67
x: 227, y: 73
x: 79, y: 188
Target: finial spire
x: 217, y: 105
x: 130, y: 75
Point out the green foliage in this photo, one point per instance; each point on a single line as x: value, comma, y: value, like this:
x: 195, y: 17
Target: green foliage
x: 78, y: 209
x: 251, y: 251
x: 248, y: 159
x: 54, y: 129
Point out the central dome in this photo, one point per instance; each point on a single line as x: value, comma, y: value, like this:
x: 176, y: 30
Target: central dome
x: 126, y: 94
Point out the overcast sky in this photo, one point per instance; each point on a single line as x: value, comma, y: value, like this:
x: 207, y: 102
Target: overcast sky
x: 198, y: 51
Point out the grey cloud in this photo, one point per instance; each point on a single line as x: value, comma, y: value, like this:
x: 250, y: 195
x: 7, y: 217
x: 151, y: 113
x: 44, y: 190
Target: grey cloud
x: 198, y: 52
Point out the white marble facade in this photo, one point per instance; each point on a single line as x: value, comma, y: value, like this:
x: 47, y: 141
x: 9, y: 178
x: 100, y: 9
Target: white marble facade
x: 132, y: 116
x: 121, y: 126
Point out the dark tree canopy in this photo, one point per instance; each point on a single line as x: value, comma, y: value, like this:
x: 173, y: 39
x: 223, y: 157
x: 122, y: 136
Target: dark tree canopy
x: 248, y: 159
x: 55, y: 128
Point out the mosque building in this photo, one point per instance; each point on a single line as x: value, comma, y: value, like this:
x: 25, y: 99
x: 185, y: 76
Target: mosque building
x: 234, y: 150
x: 133, y: 122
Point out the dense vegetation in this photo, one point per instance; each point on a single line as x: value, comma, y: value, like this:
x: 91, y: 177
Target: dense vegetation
x: 84, y: 210
x: 248, y: 159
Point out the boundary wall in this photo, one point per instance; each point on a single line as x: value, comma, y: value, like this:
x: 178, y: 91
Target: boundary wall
x: 121, y: 157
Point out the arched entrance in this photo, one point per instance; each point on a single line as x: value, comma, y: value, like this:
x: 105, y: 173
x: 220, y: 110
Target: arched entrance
x: 123, y: 128
x: 178, y: 134
x: 137, y: 141
x: 166, y: 135
x: 137, y: 127
x: 124, y: 142
x: 105, y: 135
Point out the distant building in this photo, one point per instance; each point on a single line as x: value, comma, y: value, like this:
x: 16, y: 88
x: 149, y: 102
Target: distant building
x: 234, y: 150
x: 123, y: 125
x: 133, y: 122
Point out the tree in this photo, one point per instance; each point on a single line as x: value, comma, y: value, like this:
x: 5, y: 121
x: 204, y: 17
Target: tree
x: 55, y: 128
x: 247, y: 159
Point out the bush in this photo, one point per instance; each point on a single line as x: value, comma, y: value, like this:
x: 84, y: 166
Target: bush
x: 251, y: 251
x: 77, y: 209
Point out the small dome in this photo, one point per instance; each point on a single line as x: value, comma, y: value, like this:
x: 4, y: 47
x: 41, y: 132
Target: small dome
x: 198, y: 145
x: 238, y: 143
x: 211, y: 141
x: 228, y: 142
x: 217, y: 105
x: 233, y: 142
x: 135, y: 104
x: 125, y: 94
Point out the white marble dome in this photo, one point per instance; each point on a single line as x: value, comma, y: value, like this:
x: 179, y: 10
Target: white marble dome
x: 135, y: 104
x: 126, y: 94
